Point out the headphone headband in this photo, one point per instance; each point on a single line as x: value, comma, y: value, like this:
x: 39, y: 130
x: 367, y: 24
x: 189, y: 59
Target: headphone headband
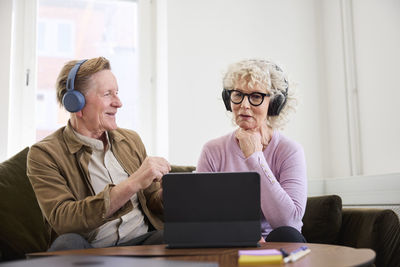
x: 72, y: 74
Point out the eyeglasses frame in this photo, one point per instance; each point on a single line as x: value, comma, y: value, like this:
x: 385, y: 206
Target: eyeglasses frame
x: 248, y: 97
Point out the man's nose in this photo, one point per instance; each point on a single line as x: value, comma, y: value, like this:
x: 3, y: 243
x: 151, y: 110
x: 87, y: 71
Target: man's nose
x: 117, y: 102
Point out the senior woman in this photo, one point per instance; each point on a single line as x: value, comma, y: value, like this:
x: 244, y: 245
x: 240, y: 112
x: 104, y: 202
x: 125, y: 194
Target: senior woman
x: 258, y: 94
x: 94, y: 183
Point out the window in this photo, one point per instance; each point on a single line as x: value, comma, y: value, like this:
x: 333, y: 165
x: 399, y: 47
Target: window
x: 55, y: 38
x: 78, y: 29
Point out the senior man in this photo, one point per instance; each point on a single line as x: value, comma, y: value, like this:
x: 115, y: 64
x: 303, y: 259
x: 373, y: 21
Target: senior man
x: 94, y: 182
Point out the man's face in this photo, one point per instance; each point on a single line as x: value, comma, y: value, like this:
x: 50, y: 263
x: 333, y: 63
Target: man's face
x: 102, y: 103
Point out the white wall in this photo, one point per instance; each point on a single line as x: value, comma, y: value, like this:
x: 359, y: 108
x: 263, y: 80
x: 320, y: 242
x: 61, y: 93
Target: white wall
x: 205, y: 36
x: 377, y: 46
x: 5, y: 62
x: 375, y: 29
x: 332, y: 91
x: 310, y: 39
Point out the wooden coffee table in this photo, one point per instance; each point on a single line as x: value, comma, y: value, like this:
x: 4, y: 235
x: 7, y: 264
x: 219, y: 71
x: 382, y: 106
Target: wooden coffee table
x: 321, y: 255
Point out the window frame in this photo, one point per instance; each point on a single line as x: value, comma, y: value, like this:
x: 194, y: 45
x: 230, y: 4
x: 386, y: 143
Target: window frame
x: 21, y: 130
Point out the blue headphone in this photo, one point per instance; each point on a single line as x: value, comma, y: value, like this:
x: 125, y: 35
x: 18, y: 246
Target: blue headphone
x: 73, y: 100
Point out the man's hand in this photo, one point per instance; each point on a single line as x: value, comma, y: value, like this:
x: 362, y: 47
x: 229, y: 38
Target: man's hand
x: 152, y: 169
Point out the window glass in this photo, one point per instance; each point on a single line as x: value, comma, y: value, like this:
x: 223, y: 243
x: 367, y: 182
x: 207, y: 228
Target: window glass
x: 79, y: 29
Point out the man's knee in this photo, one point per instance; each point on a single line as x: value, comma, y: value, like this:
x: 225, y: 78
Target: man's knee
x: 68, y: 242
x: 156, y: 238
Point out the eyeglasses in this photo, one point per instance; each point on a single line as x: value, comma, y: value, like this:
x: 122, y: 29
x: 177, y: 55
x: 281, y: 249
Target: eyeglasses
x: 255, y: 98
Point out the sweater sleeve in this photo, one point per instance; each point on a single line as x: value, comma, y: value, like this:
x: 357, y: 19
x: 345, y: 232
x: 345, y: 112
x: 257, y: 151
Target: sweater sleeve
x: 282, y: 202
x: 206, y: 162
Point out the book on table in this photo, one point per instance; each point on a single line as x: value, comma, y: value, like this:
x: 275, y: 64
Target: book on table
x: 259, y: 257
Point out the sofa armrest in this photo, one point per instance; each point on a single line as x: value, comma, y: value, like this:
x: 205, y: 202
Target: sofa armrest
x: 322, y: 219
x: 377, y: 229
x: 22, y: 226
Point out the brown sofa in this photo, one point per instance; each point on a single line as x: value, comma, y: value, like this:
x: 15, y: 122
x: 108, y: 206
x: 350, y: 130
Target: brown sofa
x: 22, y: 228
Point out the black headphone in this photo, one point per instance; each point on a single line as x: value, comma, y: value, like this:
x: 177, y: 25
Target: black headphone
x: 73, y: 100
x: 276, y: 103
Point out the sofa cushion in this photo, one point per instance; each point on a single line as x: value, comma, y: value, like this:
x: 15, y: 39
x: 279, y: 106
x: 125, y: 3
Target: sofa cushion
x: 177, y: 168
x: 322, y: 219
x: 22, y: 228
x: 378, y: 229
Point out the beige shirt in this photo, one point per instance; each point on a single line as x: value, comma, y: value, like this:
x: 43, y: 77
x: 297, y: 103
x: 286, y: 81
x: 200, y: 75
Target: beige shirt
x: 104, y: 169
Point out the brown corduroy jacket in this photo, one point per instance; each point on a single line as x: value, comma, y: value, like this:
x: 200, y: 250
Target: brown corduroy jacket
x: 58, y: 171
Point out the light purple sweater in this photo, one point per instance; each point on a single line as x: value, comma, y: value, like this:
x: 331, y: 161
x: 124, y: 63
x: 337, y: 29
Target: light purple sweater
x: 282, y: 169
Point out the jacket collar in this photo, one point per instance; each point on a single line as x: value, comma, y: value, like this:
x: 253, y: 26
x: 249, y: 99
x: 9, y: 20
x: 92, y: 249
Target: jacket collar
x: 115, y: 136
x: 74, y: 144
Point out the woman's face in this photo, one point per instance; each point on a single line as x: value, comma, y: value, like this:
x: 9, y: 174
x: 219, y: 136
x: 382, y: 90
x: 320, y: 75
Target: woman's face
x: 247, y: 116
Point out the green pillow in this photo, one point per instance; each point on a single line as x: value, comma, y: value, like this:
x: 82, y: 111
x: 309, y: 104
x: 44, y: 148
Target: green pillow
x: 322, y: 219
x: 22, y: 227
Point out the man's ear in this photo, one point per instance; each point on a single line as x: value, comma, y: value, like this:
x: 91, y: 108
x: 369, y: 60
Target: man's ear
x: 79, y: 114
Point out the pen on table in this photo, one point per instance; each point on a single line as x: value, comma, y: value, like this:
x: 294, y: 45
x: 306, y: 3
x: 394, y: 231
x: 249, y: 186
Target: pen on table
x: 284, y: 253
x: 297, y: 254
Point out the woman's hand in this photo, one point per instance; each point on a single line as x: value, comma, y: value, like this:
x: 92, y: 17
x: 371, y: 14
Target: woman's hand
x: 253, y: 140
x: 249, y: 141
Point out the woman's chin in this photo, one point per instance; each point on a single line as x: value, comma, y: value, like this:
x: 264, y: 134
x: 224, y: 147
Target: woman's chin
x: 247, y: 126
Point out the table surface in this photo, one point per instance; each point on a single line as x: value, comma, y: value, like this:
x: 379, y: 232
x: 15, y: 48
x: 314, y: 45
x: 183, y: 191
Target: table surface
x: 321, y: 254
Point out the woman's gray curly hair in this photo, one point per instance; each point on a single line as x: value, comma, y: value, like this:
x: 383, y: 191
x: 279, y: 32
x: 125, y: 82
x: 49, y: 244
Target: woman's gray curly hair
x: 266, y: 75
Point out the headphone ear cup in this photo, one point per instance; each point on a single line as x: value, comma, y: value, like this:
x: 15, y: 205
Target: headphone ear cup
x: 227, y: 99
x: 73, y: 101
x: 276, y: 104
